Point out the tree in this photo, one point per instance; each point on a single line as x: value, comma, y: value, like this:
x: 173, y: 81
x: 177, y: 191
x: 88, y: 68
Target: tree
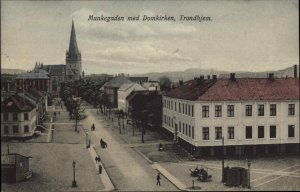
x: 165, y: 83
x: 76, y: 111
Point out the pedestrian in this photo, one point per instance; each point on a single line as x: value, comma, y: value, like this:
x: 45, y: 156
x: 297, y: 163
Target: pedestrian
x: 158, y: 179
x: 99, y: 159
x: 96, y: 159
x: 100, y: 169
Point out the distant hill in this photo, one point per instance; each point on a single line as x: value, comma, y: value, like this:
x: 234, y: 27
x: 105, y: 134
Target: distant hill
x: 188, y: 74
x: 12, y: 71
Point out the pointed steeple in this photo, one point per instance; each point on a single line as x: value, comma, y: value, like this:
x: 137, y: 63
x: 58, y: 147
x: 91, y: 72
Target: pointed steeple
x: 73, y: 49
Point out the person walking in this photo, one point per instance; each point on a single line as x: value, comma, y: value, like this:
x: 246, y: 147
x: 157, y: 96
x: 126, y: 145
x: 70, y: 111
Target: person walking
x: 158, y: 179
x: 96, y: 159
x: 100, y: 169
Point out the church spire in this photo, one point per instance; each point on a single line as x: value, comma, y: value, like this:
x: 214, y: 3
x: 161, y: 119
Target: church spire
x: 73, y: 49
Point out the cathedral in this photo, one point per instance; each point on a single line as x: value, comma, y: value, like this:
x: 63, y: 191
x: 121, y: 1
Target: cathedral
x: 71, y: 71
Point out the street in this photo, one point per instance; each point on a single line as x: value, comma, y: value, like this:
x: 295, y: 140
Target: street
x: 127, y: 169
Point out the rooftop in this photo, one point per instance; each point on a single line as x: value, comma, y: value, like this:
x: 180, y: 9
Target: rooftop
x: 238, y: 89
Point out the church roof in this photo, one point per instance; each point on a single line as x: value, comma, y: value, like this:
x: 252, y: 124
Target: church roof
x: 56, y: 70
x: 73, y: 48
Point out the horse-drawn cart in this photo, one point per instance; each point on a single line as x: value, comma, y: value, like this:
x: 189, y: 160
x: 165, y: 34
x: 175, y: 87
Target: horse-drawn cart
x: 201, y: 173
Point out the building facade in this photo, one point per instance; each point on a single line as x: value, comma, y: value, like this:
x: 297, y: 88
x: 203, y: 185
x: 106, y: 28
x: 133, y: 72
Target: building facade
x: 18, y: 117
x: 124, y: 91
x: 254, y: 116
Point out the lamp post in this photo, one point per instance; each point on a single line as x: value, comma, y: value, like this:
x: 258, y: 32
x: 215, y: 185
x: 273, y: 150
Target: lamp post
x: 223, y: 173
x: 74, y: 181
x: 249, y: 174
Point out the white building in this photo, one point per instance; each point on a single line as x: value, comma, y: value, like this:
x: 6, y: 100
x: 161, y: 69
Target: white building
x: 18, y: 117
x: 124, y: 91
x: 151, y: 85
x: 255, y: 116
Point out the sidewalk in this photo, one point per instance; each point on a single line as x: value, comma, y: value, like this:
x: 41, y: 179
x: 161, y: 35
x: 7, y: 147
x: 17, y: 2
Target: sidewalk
x: 108, y: 186
x: 169, y: 176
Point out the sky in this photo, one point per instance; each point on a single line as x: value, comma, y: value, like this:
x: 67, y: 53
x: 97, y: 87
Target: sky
x: 241, y: 35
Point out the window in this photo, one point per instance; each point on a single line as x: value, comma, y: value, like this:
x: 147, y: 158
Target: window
x: 218, y: 132
x: 272, y: 131
x: 175, y: 106
x: 179, y: 108
x: 205, y: 133
x: 5, y: 116
x: 15, y: 129
x: 230, y: 132
x: 15, y: 116
x: 261, y: 110
x: 186, y: 129
x: 248, y: 110
x: 186, y: 109
x: 205, y: 111
x: 171, y: 105
x: 26, y: 129
x: 192, y: 110
x: 218, y: 111
x: 25, y: 116
x: 291, y: 129
x: 272, y: 109
x: 183, y: 128
x: 291, y: 109
x: 193, y: 132
x: 180, y: 126
x: 248, y: 132
x: 230, y: 110
x: 5, y: 129
x: 182, y: 108
x: 261, y: 132
x: 172, y: 122
x: 189, y: 131
x: 189, y: 110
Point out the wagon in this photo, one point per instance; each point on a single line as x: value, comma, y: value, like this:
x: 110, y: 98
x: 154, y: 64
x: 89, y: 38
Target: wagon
x: 201, y: 173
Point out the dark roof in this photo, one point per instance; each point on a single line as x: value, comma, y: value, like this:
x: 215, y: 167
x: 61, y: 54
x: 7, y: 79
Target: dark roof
x: 56, y: 70
x: 238, y: 89
x: 139, y: 79
x: 191, y: 90
x: 15, y: 103
x: 116, y: 82
x: 134, y: 94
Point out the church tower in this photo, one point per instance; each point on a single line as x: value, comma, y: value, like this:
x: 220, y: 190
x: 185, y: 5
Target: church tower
x: 73, y: 58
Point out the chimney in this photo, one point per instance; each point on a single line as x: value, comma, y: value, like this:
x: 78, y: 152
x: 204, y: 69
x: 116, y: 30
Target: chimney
x: 271, y: 76
x: 214, y: 77
x: 232, y: 76
x: 295, y: 71
x: 208, y: 76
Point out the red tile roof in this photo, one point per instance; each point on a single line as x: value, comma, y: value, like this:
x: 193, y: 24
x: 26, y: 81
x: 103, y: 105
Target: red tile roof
x: 240, y: 89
